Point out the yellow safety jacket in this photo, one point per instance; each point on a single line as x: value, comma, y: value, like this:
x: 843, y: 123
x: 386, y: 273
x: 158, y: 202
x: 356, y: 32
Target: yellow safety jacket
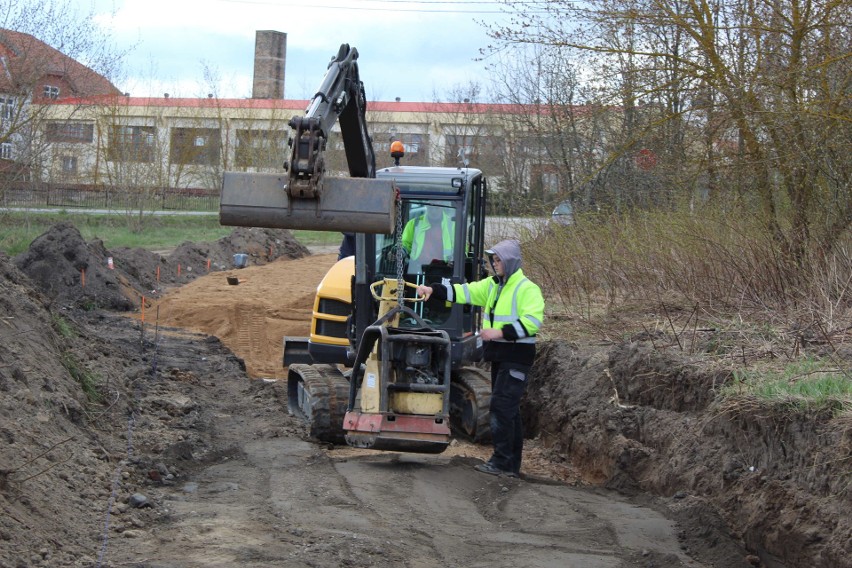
x: 516, y: 307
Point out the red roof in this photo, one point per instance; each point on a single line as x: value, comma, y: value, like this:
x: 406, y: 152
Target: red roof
x: 301, y: 105
x: 27, y: 64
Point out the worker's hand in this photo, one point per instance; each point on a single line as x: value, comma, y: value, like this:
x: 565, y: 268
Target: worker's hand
x: 424, y: 291
x: 491, y: 333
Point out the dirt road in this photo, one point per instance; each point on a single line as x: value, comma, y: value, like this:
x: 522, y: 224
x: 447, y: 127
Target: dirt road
x: 261, y: 494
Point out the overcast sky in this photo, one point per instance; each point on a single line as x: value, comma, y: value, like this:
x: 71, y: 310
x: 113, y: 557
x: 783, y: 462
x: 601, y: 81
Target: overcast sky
x: 408, y: 49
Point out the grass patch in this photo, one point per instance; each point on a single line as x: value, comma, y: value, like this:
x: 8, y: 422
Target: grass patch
x: 808, y: 384
x: 161, y: 231
x: 18, y: 229
x: 318, y: 238
x: 62, y: 327
x: 90, y: 382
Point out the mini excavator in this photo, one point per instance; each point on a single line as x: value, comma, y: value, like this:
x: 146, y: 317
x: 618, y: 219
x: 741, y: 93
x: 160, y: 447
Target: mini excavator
x: 381, y: 368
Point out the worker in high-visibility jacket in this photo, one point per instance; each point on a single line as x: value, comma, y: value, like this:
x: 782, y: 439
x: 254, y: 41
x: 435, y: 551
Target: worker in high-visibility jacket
x: 513, y: 313
x: 429, y: 237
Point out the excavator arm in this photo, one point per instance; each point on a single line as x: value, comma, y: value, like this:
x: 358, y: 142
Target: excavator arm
x: 304, y: 197
x: 340, y: 98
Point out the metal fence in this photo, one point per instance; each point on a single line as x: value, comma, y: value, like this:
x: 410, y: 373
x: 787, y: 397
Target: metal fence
x: 88, y: 197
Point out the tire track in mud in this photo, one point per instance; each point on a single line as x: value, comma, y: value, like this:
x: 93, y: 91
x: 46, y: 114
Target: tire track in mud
x: 251, y: 341
x: 451, y: 515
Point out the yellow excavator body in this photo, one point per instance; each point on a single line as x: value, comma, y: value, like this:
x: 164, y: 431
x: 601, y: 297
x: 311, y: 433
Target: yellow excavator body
x: 327, y: 322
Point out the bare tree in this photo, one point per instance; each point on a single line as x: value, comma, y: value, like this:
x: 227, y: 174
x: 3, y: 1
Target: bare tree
x: 751, y: 96
x: 131, y: 158
x: 555, y: 135
x: 49, y: 51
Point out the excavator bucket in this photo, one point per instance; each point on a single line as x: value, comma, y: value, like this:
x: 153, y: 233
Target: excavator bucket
x: 358, y: 205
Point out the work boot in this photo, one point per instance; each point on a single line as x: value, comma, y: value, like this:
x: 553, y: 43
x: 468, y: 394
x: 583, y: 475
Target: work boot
x: 491, y: 469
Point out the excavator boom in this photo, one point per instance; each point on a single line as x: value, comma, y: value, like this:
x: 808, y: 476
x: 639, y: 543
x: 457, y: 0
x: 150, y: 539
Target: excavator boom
x: 341, y: 97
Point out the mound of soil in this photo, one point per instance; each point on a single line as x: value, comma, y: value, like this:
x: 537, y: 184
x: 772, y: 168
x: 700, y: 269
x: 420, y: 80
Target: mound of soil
x: 71, y: 383
x: 737, y: 476
x: 71, y: 374
x: 74, y: 273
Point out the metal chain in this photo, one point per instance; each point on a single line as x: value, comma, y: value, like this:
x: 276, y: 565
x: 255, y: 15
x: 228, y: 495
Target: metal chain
x: 400, y: 284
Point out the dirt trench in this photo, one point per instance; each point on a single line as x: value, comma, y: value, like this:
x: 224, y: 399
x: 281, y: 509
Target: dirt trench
x: 190, y: 458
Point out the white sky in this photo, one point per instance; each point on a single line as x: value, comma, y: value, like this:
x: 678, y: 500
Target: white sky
x: 407, y: 49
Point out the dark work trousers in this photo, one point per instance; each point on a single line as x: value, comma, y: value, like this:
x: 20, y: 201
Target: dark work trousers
x: 508, y: 382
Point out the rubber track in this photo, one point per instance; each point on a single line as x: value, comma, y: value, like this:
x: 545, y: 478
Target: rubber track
x: 329, y: 391
x: 475, y: 383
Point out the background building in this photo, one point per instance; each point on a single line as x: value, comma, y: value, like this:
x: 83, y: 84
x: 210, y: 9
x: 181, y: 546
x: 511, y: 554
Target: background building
x: 90, y: 137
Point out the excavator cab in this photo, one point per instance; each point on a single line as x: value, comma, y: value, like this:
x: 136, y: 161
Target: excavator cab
x: 426, y: 247
x: 440, y: 238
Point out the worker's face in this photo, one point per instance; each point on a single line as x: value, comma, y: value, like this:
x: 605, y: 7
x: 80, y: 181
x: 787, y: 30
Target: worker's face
x: 433, y: 214
x: 497, y: 265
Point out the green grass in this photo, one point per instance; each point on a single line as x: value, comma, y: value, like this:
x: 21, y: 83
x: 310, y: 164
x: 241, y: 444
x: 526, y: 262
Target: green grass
x: 90, y: 382
x: 805, y: 384
x: 317, y: 238
x: 62, y: 327
x: 17, y: 230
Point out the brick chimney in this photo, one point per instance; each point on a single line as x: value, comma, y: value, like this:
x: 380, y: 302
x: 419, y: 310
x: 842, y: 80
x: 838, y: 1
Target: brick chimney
x: 270, y: 55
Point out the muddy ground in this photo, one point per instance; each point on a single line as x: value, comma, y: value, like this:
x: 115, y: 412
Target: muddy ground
x: 161, y: 439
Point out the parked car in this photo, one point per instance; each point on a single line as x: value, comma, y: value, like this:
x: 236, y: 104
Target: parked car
x: 563, y: 213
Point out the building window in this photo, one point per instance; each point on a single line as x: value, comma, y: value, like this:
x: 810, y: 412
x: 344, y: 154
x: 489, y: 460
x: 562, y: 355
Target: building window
x: 69, y: 165
x: 415, y: 149
x: 6, y: 150
x: 476, y: 149
x: 80, y: 132
x: 550, y: 182
x: 260, y: 148
x: 51, y: 92
x: 195, y: 146
x: 132, y: 143
x: 7, y: 106
x: 545, y: 182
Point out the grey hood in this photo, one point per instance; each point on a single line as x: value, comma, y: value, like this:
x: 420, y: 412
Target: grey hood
x: 509, y: 252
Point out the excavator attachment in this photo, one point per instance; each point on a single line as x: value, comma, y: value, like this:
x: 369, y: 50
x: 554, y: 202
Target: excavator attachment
x: 304, y: 197
x: 400, y: 401
x: 360, y: 205
x: 399, y: 392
